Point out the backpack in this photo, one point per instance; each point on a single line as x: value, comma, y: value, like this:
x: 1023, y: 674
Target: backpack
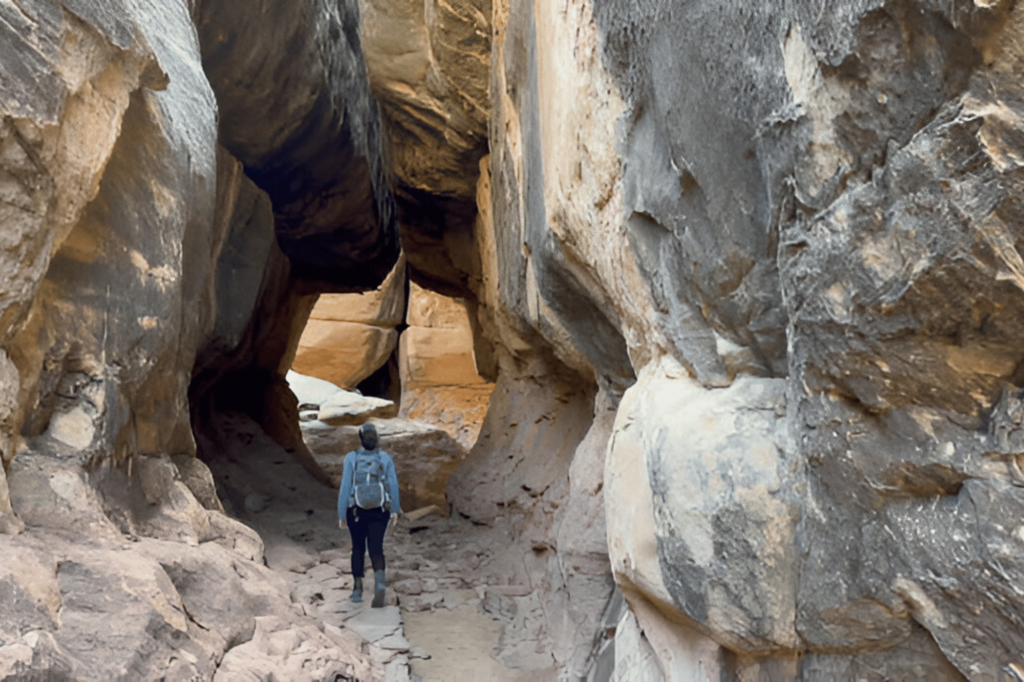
x: 368, y: 481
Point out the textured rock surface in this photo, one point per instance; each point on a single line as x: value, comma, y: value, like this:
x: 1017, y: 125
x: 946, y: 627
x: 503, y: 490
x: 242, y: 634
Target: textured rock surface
x: 137, y: 257
x: 345, y: 408
x: 317, y: 152
x: 350, y: 336
x: 810, y: 216
x: 424, y: 456
x: 436, y: 362
x: 428, y: 65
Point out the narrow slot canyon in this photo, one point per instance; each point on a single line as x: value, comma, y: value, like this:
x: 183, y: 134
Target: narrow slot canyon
x: 690, y: 327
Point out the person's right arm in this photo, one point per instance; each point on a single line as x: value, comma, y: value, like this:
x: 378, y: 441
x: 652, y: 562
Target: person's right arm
x: 345, y: 490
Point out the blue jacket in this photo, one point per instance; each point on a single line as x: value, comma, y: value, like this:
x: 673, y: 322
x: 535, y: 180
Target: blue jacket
x: 346, y: 498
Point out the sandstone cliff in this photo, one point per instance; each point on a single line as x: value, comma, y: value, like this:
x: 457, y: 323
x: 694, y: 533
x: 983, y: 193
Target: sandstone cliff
x: 744, y: 276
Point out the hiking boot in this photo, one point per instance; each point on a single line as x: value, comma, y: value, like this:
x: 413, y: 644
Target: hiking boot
x: 357, y: 589
x: 378, y: 589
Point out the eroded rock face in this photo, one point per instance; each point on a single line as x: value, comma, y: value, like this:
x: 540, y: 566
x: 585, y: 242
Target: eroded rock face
x: 136, y: 252
x: 350, y: 336
x: 437, y: 366
x: 810, y: 218
x: 316, y: 149
x: 428, y: 64
x: 746, y: 277
x: 97, y: 350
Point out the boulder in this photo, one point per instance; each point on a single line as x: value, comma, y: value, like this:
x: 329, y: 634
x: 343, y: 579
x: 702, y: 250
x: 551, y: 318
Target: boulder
x: 723, y: 503
x: 346, y: 408
x: 310, y: 390
x: 437, y: 366
x: 350, y: 336
x: 280, y: 650
x: 424, y: 457
x: 344, y: 353
x: 48, y: 492
x: 197, y: 478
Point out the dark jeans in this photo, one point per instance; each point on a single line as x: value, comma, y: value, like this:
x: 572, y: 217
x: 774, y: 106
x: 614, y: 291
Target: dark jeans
x: 367, y: 527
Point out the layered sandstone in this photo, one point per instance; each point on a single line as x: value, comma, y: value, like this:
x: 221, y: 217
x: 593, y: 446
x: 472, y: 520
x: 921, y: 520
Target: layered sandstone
x: 437, y: 365
x: 350, y: 336
x: 783, y: 241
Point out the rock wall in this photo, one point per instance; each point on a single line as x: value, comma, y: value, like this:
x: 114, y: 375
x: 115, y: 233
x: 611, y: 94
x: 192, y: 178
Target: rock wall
x: 161, y: 254
x: 783, y: 240
x: 440, y: 381
x: 405, y: 341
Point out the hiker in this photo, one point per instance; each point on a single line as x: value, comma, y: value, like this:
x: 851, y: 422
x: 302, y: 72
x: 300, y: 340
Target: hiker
x: 368, y: 506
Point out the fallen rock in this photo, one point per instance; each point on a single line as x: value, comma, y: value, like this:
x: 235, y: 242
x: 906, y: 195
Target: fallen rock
x: 47, y: 492
x: 349, y: 336
x: 346, y: 408
x: 422, y: 512
x: 35, y: 655
x: 236, y: 536
x: 285, y: 555
x: 424, y: 457
x: 281, y: 650
x: 310, y: 390
x: 197, y: 477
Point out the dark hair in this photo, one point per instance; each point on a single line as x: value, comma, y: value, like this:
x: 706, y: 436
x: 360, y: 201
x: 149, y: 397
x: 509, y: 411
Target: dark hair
x: 368, y: 436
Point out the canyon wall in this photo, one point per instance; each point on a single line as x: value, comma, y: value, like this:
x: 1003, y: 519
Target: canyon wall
x: 783, y: 242
x: 744, y: 277
x: 161, y: 247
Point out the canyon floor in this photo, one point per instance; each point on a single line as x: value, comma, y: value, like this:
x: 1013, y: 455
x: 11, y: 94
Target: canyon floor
x: 450, y: 614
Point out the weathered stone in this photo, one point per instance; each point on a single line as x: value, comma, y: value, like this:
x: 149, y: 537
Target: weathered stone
x: 234, y: 535
x: 197, y: 477
x: 121, y: 616
x: 34, y: 654
x: 424, y: 457
x: 350, y: 336
x: 244, y: 223
x: 48, y: 493
x: 310, y: 391
x: 344, y: 353
x: 278, y: 650
x: 317, y: 149
x: 346, y: 408
x: 220, y: 591
x: 722, y: 477
x: 437, y: 366
x: 428, y: 64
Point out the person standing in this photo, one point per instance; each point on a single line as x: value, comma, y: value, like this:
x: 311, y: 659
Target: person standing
x: 368, y: 505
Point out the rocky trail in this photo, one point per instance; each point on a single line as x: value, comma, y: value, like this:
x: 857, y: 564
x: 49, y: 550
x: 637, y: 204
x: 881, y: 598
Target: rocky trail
x: 449, y: 608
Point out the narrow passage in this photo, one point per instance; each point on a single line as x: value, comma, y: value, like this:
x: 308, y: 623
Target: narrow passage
x: 448, y: 611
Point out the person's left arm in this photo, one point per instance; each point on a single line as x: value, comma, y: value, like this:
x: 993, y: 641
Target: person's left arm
x: 396, y: 507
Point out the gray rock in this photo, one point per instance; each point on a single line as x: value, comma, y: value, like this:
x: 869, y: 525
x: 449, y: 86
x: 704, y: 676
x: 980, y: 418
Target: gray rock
x: 197, y: 477
x: 35, y: 653
x: 310, y: 390
x: 317, y: 150
x: 346, y: 408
